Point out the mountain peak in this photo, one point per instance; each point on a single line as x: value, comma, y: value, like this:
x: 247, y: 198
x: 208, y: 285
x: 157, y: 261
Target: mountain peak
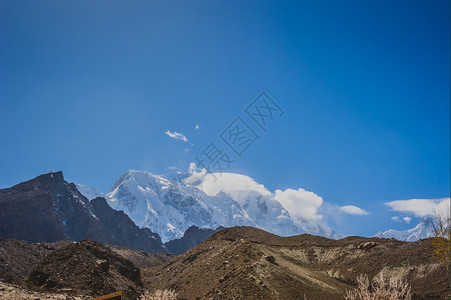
x: 140, y: 177
x: 424, y: 229
x: 58, y: 176
x: 428, y: 219
x: 54, y: 176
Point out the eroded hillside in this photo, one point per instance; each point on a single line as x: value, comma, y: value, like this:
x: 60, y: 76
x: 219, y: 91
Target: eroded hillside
x: 247, y: 263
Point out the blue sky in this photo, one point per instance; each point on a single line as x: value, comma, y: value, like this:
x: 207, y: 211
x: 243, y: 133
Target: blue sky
x: 90, y: 88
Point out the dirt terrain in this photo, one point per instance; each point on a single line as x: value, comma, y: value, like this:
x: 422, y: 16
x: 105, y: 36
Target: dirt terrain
x: 235, y: 263
x: 15, y: 292
x: 248, y: 263
x: 65, y: 270
x: 89, y: 268
x: 17, y: 258
x: 142, y: 259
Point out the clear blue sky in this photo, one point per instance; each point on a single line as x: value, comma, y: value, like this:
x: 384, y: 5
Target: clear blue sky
x: 90, y: 87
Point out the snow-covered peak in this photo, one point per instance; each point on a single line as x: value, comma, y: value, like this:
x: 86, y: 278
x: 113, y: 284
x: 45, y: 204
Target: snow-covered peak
x: 89, y: 191
x: 424, y: 229
x: 141, y: 178
x: 169, y: 207
x: 166, y: 207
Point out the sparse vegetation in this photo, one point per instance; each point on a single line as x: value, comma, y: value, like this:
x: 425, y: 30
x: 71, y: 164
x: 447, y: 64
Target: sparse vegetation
x: 159, y: 295
x: 442, y: 238
x: 379, y: 290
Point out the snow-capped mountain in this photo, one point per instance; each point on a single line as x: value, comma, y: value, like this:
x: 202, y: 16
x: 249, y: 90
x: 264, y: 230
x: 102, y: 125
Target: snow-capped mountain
x: 89, y: 191
x: 171, y: 207
x: 424, y: 229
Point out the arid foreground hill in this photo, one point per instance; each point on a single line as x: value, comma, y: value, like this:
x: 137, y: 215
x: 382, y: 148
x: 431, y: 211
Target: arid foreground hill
x: 248, y: 263
x: 65, y: 269
x: 235, y: 263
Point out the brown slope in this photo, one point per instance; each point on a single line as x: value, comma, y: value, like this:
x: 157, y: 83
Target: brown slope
x: 142, y: 259
x: 88, y: 268
x: 17, y: 258
x: 248, y: 263
x: 192, y: 237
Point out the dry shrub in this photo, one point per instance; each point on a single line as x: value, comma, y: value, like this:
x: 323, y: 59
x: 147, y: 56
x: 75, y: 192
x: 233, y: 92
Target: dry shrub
x: 159, y: 295
x: 379, y: 290
x: 442, y: 237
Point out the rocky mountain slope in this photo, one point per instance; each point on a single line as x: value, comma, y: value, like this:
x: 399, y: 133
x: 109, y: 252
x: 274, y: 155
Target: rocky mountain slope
x: 248, y: 263
x: 49, y: 209
x: 170, y: 207
x: 88, y: 268
x: 17, y: 258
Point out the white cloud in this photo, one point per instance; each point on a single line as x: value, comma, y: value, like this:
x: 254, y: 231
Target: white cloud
x: 353, y: 210
x: 176, y: 135
x: 197, y: 127
x: 197, y: 175
x: 300, y: 203
x: 419, y: 207
x: 401, y: 219
x: 215, y: 183
x: 407, y: 219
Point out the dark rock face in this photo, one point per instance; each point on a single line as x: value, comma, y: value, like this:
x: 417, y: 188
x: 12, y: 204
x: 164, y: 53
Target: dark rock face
x: 124, y: 230
x: 17, y: 208
x: 48, y: 209
x: 87, y: 267
x: 192, y: 237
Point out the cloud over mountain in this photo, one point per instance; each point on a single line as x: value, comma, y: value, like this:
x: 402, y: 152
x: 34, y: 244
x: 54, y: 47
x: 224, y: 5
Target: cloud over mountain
x: 300, y: 203
x: 420, y: 207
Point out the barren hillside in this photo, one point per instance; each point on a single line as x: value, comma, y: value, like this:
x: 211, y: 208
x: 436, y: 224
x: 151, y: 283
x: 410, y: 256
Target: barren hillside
x: 247, y: 263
